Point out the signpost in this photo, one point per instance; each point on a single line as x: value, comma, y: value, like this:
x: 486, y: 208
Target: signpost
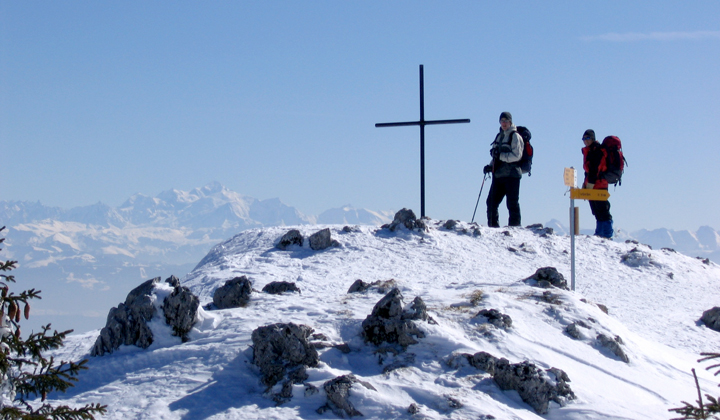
x: 570, y: 179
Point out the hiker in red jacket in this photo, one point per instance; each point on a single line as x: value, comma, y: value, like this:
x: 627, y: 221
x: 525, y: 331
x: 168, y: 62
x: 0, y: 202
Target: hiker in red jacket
x: 594, y: 165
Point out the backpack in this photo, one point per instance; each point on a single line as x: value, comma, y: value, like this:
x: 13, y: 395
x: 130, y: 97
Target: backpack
x: 525, y: 161
x: 614, y: 160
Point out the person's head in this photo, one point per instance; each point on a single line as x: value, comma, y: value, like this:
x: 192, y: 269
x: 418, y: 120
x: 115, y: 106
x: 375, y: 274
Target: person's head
x: 505, y: 120
x: 588, y: 137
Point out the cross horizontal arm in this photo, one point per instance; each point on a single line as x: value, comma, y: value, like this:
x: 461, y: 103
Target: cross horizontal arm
x: 466, y: 120
x: 404, y: 124
x: 397, y: 124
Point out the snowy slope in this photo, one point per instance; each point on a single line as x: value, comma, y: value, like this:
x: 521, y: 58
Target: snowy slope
x: 653, y: 306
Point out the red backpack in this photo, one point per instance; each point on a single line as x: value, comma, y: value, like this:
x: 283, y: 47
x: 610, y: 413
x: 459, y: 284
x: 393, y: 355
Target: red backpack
x: 614, y: 160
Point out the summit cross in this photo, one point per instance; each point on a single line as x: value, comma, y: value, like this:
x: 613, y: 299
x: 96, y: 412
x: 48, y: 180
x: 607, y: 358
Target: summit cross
x: 422, y: 123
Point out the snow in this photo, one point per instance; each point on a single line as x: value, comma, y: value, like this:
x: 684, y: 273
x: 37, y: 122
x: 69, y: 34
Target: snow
x: 653, y: 306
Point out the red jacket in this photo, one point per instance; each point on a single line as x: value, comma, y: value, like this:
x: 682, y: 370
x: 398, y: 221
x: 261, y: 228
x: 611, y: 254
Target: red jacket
x: 594, y: 164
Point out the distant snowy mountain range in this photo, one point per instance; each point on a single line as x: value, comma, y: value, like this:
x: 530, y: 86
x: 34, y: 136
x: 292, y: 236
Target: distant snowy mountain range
x: 92, y: 255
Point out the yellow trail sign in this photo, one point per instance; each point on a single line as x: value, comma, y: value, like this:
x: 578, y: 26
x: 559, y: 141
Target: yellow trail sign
x: 586, y: 194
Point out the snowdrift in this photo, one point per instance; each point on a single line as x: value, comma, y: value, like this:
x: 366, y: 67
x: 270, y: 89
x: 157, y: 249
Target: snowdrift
x: 653, y: 299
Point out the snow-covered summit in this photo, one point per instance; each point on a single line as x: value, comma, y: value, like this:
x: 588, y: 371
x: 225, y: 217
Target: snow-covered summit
x: 654, y: 299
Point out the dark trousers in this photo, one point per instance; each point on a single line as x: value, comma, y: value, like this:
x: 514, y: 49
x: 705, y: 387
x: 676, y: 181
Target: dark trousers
x: 601, y: 210
x: 508, y: 188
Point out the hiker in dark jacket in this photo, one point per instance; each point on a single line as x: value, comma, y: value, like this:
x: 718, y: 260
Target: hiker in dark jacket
x: 594, y: 166
x: 506, y: 152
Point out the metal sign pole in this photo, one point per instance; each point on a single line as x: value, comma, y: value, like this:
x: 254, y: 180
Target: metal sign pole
x: 572, y: 244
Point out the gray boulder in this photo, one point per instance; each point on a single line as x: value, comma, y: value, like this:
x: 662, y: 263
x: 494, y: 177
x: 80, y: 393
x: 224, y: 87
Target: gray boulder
x: 535, y: 386
x: 358, y: 286
x: 496, y: 318
x: 180, y: 309
x: 322, y: 240
x: 417, y: 311
x: 235, y: 293
x: 386, y: 323
x: 382, y: 286
x: 613, y: 344
x: 280, y: 287
x: 483, y: 361
x: 282, y: 348
x: 711, y: 318
x: 338, y: 393
x: 548, y: 276
x: 406, y: 218
x: 292, y: 237
x: 127, y: 324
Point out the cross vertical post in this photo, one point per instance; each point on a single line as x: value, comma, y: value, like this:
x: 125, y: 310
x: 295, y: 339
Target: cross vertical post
x: 422, y: 123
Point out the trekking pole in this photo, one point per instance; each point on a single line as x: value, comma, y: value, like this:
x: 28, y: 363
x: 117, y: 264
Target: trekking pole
x: 478, y: 200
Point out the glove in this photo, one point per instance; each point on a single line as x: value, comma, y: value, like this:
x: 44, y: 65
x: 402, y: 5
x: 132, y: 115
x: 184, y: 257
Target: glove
x: 505, y: 148
x: 495, y: 153
x: 487, y: 169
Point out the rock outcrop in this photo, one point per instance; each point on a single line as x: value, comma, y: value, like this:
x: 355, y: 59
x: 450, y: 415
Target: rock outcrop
x: 338, y: 392
x: 235, y: 293
x: 283, y: 351
x: 711, y: 318
x: 496, y: 318
x: 292, y: 237
x: 547, y: 277
x: 322, y: 240
x: 127, y: 324
x: 389, y: 323
x: 536, y: 387
x: 280, y: 287
x: 406, y: 218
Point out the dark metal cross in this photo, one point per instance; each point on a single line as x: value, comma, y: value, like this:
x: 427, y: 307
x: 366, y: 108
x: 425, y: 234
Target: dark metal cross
x: 422, y: 123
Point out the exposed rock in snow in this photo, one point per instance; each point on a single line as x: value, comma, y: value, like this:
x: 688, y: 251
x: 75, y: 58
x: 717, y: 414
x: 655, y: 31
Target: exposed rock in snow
x: 281, y: 349
x: 386, y: 323
x: 338, y: 394
x: 711, y: 318
x: 322, y: 240
x: 382, y: 286
x: 613, y: 344
x: 180, y: 310
x: 235, y: 293
x: 496, y: 318
x: 292, y: 237
x: 127, y: 324
x: 406, y: 218
x: 280, y: 287
x: 548, y: 276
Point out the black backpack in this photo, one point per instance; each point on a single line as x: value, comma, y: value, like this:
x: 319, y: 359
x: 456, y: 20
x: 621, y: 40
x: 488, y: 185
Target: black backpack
x: 525, y: 161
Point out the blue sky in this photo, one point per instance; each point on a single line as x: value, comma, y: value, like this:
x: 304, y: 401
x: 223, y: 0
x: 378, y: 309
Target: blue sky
x: 101, y: 100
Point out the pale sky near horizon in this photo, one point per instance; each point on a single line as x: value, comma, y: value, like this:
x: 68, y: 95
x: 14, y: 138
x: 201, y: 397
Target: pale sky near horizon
x: 102, y: 100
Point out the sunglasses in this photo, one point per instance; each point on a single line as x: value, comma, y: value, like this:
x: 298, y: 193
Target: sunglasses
x: 504, y: 120
x: 587, y: 138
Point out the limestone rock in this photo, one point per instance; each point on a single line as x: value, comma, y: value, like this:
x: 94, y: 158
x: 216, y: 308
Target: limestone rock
x: 235, y: 293
x: 280, y: 287
x: 180, y: 309
x: 338, y: 392
x: 386, y: 324
x: 281, y: 348
x: 535, y: 386
x: 406, y: 218
x: 292, y: 237
x: 127, y: 324
x: 496, y: 318
x: 711, y: 318
x: 322, y: 240
x: 613, y: 344
x: 548, y: 276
